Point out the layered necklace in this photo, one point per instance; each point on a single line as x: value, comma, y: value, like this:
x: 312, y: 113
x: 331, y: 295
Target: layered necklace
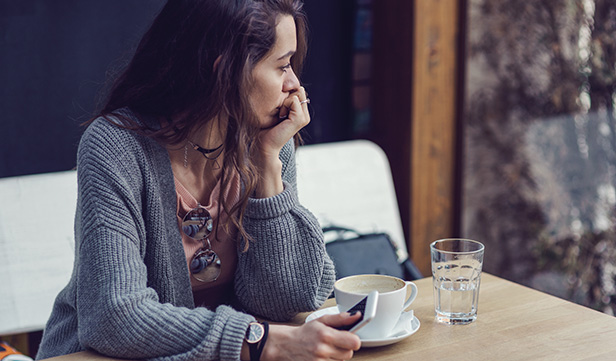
x: 209, y: 154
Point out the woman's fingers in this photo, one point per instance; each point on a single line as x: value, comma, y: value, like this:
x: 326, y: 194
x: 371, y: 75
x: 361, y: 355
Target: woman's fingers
x: 312, y: 341
x: 292, y: 117
x: 342, y: 319
x: 297, y: 107
x: 339, y: 319
x: 335, y: 344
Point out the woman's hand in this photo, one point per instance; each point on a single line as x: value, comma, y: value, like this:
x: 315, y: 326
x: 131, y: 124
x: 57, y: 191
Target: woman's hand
x: 294, y: 114
x: 314, y: 340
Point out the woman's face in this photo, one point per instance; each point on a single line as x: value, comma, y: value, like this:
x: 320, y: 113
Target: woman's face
x: 274, y: 79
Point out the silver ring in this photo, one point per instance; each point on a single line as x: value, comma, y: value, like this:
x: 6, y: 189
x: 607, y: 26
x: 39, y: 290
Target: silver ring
x: 307, y: 101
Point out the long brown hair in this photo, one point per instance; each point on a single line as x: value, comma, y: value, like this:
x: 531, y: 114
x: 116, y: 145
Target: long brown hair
x: 172, y: 76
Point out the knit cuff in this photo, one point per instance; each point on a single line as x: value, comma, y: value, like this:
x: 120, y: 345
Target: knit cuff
x: 233, y: 335
x: 272, y: 207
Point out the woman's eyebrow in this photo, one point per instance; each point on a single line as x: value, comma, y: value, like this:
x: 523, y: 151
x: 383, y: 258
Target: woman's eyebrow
x: 289, y: 54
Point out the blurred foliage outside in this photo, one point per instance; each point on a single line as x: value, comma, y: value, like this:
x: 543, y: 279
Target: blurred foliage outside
x: 540, y: 144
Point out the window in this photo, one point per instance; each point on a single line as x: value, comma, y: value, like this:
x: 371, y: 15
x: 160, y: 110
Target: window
x: 540, y: 144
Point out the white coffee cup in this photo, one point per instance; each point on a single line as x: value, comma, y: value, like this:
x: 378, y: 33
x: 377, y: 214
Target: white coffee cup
x: 392, y: 300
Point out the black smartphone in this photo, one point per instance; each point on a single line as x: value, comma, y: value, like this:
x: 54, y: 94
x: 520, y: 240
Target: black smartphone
x: 367, y: 307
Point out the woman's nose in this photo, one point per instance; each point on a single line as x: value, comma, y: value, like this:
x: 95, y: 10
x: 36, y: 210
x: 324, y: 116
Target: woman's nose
x: 291, y: 84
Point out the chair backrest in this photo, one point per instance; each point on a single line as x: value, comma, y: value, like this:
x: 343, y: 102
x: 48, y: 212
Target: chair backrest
x: 36, y: 246
x: 349, y: 184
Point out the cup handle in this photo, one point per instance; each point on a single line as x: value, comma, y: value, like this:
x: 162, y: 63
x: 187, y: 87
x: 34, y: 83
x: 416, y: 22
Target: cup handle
x: 412, y: 296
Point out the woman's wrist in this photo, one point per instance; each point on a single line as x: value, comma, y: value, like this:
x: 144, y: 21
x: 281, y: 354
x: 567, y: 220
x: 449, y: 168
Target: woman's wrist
x: 270, y: 179
x: 278, y: 334
x: 245, y: 352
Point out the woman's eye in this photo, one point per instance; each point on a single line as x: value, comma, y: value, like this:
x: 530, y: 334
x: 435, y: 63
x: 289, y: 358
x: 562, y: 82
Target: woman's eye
x: 285, y: 67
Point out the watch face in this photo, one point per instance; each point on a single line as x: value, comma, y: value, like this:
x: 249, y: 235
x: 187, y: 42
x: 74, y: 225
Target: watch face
x: 255, y: 333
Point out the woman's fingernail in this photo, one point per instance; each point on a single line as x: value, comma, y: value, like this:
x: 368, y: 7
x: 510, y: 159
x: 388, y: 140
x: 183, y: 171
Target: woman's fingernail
x: 353, y: 313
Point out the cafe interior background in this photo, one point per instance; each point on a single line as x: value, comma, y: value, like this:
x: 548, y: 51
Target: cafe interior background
x: 498, y: 117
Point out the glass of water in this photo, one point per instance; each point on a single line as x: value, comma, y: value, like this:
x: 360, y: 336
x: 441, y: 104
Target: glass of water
x: 456, y: 274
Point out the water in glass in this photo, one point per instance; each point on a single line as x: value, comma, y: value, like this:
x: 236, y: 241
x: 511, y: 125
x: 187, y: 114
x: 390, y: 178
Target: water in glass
x: 456, y: 292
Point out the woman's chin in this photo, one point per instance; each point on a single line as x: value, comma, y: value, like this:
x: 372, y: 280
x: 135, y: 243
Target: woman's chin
x: 270, y: 122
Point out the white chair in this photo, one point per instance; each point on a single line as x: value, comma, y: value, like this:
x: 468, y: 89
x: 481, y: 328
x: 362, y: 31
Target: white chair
x: 36, y: 246
x: 349, y: 184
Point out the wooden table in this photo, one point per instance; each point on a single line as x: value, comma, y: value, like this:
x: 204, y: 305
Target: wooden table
x: 514, y: 323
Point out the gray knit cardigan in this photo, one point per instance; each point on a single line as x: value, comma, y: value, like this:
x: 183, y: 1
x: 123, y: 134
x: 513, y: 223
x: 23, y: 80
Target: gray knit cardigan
x: 129, y: 295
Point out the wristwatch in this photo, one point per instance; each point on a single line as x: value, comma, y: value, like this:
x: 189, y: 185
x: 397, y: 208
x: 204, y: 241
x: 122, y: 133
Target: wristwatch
x: 256, y: 335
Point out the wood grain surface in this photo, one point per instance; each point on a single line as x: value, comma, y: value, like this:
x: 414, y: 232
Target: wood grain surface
x: 514, y: 323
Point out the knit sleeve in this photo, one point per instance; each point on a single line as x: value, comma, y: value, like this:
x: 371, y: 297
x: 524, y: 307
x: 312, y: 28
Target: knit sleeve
x: 119, y: 314
x: 286, y: 269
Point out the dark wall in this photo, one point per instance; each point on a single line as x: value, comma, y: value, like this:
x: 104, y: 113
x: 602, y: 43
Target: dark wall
x: 328, y: 69
x: 53, y: 60
x: 54, y: 57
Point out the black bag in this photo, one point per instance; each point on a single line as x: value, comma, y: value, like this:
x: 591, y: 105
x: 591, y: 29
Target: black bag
x: 373, y: 253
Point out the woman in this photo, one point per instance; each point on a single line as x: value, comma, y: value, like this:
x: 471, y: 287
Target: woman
x: 187, y: 198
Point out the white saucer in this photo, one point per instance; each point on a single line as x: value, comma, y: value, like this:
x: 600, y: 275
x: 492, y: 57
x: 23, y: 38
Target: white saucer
x: 407, y: 325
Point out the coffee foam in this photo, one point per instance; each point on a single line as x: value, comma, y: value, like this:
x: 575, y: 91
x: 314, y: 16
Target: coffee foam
x: 367, y: 284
